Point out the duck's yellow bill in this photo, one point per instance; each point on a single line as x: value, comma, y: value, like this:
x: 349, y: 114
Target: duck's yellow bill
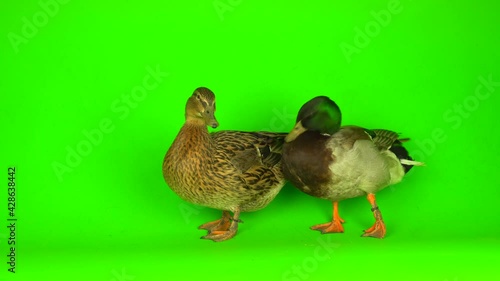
x: 296, y: 131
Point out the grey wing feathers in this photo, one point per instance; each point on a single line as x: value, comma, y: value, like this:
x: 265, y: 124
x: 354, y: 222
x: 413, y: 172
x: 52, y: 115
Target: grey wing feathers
x: 384, y: 139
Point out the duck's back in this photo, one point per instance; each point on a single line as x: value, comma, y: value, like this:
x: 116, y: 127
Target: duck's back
x: 249, y: 151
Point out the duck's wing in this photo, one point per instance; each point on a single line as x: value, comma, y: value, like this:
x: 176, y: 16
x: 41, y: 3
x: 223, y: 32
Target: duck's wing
x: 389, y: 140
x: 248, y: 150
x: 383, y: 139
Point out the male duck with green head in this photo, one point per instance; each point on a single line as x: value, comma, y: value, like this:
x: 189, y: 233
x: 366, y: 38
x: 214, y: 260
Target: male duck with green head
x: 328, y: 161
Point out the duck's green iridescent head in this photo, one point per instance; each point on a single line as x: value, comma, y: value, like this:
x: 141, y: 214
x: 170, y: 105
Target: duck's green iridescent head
x: 320, y: 114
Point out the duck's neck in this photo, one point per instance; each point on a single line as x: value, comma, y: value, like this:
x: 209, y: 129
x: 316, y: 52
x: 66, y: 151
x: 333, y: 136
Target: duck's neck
x: 193, y: 141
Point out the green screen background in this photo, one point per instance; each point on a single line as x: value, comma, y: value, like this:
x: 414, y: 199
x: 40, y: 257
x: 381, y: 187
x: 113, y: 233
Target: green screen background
x: 110, y: 216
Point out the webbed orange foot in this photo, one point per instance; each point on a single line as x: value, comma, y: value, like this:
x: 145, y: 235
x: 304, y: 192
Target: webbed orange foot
x: 218, y: 235
x: 221, y: 224
x: 378, y: 229
x: 329, y: 227
x: 335, y: 226
x: 224, y: 233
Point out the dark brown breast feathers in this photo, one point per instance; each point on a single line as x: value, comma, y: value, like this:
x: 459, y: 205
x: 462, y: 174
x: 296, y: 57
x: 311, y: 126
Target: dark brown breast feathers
x: 306, y: 162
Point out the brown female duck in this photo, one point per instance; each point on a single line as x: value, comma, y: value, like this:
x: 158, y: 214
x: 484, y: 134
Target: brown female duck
x: 232, y: 171
x: 335, y: 163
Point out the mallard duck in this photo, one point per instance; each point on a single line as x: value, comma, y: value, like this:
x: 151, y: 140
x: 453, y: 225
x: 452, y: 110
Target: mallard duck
x: 328, y: 161
x: 232, y: 171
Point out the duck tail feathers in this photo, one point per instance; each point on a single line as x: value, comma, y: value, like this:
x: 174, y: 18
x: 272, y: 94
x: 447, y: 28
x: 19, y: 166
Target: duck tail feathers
x: 411, y: 162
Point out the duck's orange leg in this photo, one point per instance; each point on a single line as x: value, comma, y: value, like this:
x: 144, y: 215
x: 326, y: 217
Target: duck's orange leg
x: 230, y: 232
x: 335, y: 226
x: 221, y: 224
x: 378, y: 229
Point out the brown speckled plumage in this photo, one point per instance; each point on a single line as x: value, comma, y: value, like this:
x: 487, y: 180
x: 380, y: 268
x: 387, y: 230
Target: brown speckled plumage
x: 227, y: 170
x: 224, y: 170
